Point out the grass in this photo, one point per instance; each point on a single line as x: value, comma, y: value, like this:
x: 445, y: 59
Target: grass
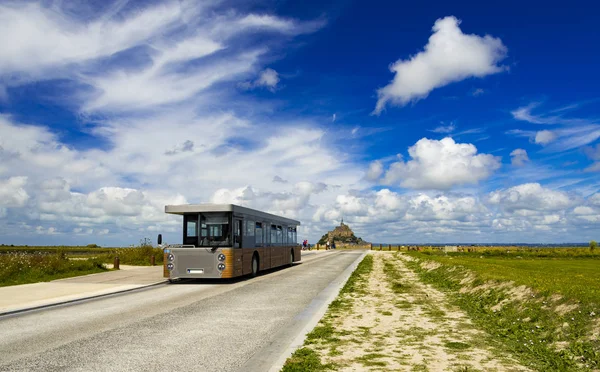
x: 304, y: 360
x: 23, y: 268
x: 22, y: 265
x: 139, y: 255
x: 573, y: 277
x: 528, y: 323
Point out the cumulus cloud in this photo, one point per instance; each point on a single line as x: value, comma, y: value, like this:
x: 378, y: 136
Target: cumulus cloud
x: 441, y: 165
x: 449, y: 56
x: 375, y: 170
x: 519, y: 157
x: 532, y: 197
x: 531, y: 211
x: 12, y: 193
x: 544, y: 137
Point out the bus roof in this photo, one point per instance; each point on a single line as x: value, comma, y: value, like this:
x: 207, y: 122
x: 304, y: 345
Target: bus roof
x: 201, y: 208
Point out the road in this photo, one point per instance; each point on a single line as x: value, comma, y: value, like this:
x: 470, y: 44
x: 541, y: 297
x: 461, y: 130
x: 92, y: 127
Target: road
x: 189, y: 326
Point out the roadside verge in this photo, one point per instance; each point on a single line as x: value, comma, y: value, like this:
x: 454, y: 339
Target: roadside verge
x: 272, y: 357
x: 27, y: 297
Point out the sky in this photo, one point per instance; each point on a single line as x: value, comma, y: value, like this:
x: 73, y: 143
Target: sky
x: 439, y: 122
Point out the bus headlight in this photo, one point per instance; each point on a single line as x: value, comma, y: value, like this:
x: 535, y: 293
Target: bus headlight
x: 221, y: 257
x: 170, y: 257
x: 170, y: 266
x: 221, y: 266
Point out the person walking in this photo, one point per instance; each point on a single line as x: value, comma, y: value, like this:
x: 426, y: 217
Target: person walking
x: 327, y: 245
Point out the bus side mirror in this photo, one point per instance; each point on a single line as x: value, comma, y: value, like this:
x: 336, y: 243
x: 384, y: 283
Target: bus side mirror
x: 159, y: 239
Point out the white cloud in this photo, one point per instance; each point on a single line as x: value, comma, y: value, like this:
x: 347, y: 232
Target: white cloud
x: 35, y: 38
x: 268, y: 78
x: 441, y: 165
x: 544, y: 137
x: 532, y: 197
x: 519, y: 157
x: 595, y: 167
x: 570, y: 133
x: 12, y: 193
x: 449, y: 56
x: 477, y: 92
x: 375, y: 170
x: 593, y: 154
x: 445, y: 128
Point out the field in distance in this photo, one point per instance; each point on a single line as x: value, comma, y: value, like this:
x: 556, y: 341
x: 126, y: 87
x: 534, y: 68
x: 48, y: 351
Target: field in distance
x: 32, y: 264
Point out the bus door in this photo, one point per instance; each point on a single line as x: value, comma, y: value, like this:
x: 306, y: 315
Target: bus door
x: 264, y: 231
x: 237, y: 233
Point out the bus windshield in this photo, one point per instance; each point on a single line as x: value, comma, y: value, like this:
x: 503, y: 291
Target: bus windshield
x: 214, y: 229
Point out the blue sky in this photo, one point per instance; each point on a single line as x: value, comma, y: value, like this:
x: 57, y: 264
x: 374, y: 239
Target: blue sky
x: 440, y: 122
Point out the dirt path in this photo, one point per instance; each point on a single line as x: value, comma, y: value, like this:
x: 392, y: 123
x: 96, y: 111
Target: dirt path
x: 399, y: 323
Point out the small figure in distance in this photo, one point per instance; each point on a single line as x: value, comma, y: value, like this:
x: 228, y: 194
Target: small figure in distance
x: 304, y: 243
x: 327, y: 245
x: 333, y: 245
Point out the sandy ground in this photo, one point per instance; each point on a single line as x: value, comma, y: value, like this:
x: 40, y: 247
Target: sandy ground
x: 401, y: 324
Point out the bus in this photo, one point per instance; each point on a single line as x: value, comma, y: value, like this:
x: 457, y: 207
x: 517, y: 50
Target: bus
x: 228, y: 241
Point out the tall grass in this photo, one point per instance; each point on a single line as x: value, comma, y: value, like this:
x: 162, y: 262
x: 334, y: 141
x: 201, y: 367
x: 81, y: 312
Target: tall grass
x: 134, y: 256
x: 22, y: 268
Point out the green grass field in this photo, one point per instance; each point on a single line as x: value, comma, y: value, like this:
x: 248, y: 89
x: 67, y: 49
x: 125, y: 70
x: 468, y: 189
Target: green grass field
x: 543, y: 305
x: 574, y: 278
x: 22, y: 265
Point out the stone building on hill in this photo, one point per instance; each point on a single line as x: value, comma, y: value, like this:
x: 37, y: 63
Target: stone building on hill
x: 341, y: 234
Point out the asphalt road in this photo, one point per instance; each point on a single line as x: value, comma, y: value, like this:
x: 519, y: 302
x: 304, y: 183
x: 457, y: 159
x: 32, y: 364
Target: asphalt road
x: 189, y: 326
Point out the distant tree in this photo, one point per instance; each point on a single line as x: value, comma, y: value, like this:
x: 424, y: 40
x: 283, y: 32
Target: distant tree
x: 145, y: 242
x: 92, y: 246
x: 593, y: 245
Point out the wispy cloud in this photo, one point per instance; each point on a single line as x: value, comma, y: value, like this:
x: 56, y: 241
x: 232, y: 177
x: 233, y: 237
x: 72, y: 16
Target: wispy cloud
x: 478, y: 92
x: 567, y: 132
x: 444, y: 128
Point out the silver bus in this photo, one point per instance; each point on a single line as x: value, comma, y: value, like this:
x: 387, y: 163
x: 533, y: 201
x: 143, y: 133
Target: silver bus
x: 227, y: 241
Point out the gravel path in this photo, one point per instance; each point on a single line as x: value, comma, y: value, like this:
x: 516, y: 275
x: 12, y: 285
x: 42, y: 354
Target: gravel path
x: 401, y: 324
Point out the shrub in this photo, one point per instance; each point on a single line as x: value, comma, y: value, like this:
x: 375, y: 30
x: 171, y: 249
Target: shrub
x: 593, y: 245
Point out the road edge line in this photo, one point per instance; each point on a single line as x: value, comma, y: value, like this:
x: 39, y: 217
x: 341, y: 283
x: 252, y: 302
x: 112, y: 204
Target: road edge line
x: 330, y: 293
x: 75, y: 300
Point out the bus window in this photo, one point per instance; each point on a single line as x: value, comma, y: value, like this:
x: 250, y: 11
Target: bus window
x: 259, y: 234
x: 237, y: 233
x: 273, y: 235
x: 214, y: 229
x: 267, y: 235
x: 250, y: 228
x: 279, y: 235
x: 191, y: 230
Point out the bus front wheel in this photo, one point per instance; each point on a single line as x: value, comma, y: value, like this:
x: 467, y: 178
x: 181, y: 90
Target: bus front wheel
x: 254, y: 266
